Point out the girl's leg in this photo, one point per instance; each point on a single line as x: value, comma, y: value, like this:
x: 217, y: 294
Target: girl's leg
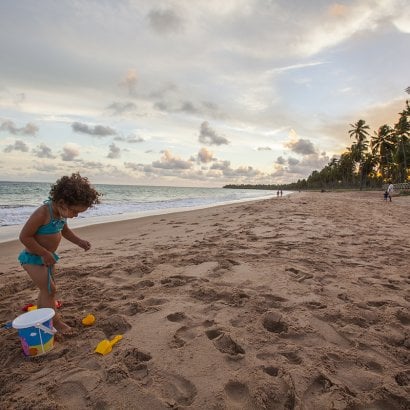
x: 39, y: 275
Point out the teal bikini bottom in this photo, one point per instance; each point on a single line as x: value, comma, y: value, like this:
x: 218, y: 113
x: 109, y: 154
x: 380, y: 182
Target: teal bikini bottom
x: 27, y: 258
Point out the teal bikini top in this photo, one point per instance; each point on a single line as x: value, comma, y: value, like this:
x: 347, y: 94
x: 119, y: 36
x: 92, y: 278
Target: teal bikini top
x: 54, y: 226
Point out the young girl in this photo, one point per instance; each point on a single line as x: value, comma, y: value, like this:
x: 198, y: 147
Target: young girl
x: 42, y: 234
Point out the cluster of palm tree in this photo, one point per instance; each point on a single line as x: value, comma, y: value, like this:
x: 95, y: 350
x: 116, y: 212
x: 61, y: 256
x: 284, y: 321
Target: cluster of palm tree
x: 370, y: 161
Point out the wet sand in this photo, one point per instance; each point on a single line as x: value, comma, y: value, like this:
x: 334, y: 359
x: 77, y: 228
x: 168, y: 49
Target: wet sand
x: 300, y: 302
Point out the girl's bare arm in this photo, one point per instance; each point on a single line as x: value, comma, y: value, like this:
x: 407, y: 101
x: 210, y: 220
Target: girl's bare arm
x: 72, y: 237
x: 27, y: 235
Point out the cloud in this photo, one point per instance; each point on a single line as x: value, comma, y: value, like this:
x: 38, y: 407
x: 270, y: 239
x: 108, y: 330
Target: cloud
x: 133, y: 166
x: 294, y: 168
x: 280, y: 160
x: 188, y: 108
x: 294, y: 67
x: 264, y: 149
x: 203, y: 108
x: 45, y: 167
x: 209, y: 137
x: 165, y: 21
x: 242, y: 171
x: 43, y: 151
x: 338, y: 10
x: 205, y: 156
x: 402, y: 18
x: 163, y: 90
x: 341, y: 22
x: 293, y: 161
x: 171, y: 166
x: 17, y: 146
x: 29, y: 129
x: 115, y: 152
x: 70, y: 152
x: 301, y: 146
x: 161, y: 105
x: 168, y: 161
x: 97, y: 131
x: 221, y: 165
x: 232, y: 173
x: 131, y: 139
x: 118, y: 108
x: 93, y: 165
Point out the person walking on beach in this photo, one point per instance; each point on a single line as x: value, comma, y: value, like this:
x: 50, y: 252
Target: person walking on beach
x: 42, y: 234
x: 385, y: 195
x: 390, y: 190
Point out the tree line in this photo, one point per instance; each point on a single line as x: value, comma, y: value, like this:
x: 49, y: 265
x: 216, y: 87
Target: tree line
x: 370, y: 161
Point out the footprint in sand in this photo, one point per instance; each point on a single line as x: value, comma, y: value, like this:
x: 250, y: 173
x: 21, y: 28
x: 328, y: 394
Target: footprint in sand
x: 116, y: 373
x: 272, y: 322
x: 176, y: 317
x: 273, y: 301
x: 328, y: 333
x: 403, y: 378
x: 182, y: 336
x: 155, y: 301
x: 237, y: 392
x: 72, y: 394
x: 265, y: 356
x: 133, y: 308
x: 135, y: 361
x: 115, y: 324
x: 298, y: 275
x: 224, y: 343
x: 271, y: 371
x: 292, y: 357
x: 377, y: 303
x: 374, y: 366
x: 403, y: 316
x: 314, y: 394
x: 176, y: 389
x: 143, y: 284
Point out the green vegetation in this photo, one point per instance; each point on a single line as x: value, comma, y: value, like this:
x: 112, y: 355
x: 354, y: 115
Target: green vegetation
x: 367, y: 163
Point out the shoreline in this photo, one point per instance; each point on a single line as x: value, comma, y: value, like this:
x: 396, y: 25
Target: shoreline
x: 290, y: 303
x: 10, y: 233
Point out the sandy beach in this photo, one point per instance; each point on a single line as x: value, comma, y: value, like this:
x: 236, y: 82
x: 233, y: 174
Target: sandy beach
x: 300, y: 302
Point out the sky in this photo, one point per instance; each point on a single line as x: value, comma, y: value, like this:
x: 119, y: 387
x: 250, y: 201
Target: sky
x: 194, y: 93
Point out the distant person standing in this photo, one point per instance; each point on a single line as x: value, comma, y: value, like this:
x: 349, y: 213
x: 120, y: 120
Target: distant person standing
x: 385, y: 195
x: 390, y: 190
x: 281, y: 193
x: 277, y: 194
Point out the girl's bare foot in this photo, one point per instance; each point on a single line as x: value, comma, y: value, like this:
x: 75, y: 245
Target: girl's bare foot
x: 63, y: 328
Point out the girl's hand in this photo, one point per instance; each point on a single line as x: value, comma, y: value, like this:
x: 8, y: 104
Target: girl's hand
x: 48, y: 259
x: 84, y: 245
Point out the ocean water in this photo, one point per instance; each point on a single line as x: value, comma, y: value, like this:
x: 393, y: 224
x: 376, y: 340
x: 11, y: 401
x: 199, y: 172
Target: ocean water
x: 19, y: 199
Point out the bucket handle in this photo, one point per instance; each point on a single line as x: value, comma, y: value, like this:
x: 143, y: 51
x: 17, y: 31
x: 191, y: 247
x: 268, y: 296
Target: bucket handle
x: 46, y: 329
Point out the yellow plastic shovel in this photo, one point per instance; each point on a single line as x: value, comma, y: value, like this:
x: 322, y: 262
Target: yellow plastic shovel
x: 105, y: 346
x: 88, y: 320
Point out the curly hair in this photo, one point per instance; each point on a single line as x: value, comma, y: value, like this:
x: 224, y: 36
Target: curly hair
x: 74, y: 190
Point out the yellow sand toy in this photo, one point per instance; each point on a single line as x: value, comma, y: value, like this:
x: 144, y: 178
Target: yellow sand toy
x: 88, y: 320
x: 105, y: 346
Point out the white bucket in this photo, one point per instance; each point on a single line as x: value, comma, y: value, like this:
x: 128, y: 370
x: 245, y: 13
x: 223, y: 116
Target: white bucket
x: 36, y: 331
